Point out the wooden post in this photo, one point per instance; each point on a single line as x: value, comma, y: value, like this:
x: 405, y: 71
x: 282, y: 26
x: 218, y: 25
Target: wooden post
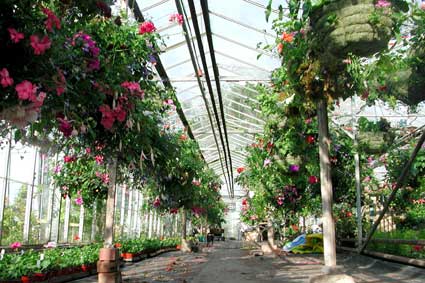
x: 329, y: 243
x: 109, y: 223
x: 108, y: 265
x: 184, y: 220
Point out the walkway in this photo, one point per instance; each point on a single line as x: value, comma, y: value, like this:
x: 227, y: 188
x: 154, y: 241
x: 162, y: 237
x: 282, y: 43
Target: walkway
x: 227, y: 262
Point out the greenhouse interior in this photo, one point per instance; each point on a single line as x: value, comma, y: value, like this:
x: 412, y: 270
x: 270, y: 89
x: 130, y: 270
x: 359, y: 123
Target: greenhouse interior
x: 212, y: 141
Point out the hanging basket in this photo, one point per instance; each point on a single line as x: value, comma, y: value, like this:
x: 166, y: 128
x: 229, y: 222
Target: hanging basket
x: 351, y: 31
x: 408, y: 84
x: 375, y: 142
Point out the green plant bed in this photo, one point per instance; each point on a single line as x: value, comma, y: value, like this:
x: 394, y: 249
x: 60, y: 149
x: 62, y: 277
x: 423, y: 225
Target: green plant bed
x: 345, y: 27
x: 407, y: 250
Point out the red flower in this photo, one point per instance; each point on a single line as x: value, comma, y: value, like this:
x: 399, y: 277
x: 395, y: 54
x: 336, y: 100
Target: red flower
x: 244, y: 201
x: 417, y: 248
x: 65, y: 127
x: 174, y: 210
x: 348, y: 214
x: 5, y: 80
x: 313, y: 180
x: 120, y: 113
x: 117, y: 245
x: 26, y: 90
x: 183, y: 137
x: 156, y: 202
x: 76, y: 238
x: 310, y: 139
x: 69, y: 159
x: 146, y: 27
x: 240, y: 169
x: 269, y: 147
x: 51, y: 21
x: 40, y: 46
x: 15, y: 36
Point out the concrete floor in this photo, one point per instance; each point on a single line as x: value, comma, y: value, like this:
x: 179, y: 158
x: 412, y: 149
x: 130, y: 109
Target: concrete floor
x: 227, y: 262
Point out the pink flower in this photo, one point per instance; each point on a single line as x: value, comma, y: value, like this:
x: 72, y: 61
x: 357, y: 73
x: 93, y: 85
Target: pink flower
x: 176, y: 18
x: 313, y: 180
x: 39, y: 100
x: 15, y: 36
x: 105, y: 178
x: 65, y: 127
x: 108, y: 116
x: 146, y: 27
x: 15, y: 245
x: 88, y: 150
x: 253, y: 217
x: 120, y: 113
x: 382, y: 4
x: 133, y: 87
x: 99, y: 159
x: 267, y: 162
x: 26, y: 90
x: 308, y: 121
x: 52, y: 20
x: 5, y: 80
x: 58, y: 169
x: 367, y: 179
x: 174, y: 210
x: 79, y: 200
x: 280, y: 200
x: 40, y: 46
x: 196, y: 183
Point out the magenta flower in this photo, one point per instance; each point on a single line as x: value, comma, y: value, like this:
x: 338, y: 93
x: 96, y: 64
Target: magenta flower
x: 108, y: 116
x: 266, y: 162
x: 5, y: 79
x: 294, y: 168
x: 79, y: 200
x: 146, y: 27
x: 313, y: 180
x: 40, y: 46
x: 52, y: 20
x: 15, y: 36
x: 15, y: 245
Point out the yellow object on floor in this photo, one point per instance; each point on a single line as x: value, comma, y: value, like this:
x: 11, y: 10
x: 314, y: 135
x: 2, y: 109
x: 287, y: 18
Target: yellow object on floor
x: 314, y: 244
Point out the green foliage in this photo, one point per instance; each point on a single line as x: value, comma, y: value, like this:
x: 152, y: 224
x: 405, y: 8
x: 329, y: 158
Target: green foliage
x: 406, y: 250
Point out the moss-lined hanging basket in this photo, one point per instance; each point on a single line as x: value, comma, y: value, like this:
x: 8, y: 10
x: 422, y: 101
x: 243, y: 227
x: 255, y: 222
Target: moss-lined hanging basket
x: 345, y: 26
x: 375, y: 142
x: 408, y: 84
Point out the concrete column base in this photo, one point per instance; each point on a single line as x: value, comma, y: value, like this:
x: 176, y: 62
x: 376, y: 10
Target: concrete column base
x: 186, y: 246
x: 111, y: 277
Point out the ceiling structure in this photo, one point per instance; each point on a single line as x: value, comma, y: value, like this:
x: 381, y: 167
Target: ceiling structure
x: 213, y: 63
